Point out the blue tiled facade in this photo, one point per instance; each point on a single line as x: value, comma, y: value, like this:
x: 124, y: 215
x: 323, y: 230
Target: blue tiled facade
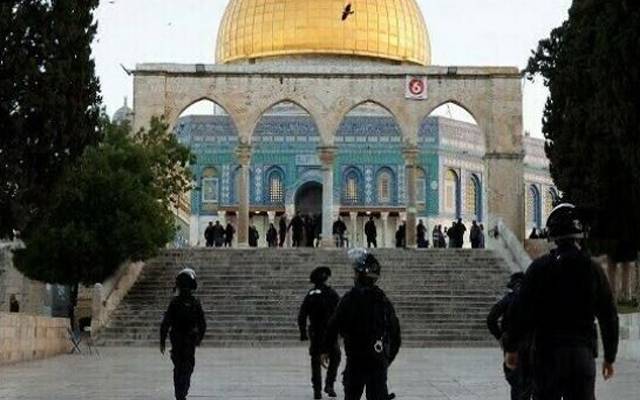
x: 286, y: 146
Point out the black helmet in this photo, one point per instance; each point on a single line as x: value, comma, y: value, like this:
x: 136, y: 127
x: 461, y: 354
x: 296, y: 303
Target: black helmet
x: 564, y: 222
x: 365, y: 263
x: 186, y: 279
x: 320, y: 275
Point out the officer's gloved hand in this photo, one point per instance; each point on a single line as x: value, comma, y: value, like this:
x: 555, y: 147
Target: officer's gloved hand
x: 303, y: 336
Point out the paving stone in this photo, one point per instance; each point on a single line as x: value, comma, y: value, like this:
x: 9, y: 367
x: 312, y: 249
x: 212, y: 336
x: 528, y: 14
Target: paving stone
x: 268, y: 374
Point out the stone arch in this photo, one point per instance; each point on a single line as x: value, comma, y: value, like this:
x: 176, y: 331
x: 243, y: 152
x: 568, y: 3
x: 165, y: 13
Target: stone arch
x: 342, y: 114
x: 260, y: 111
x: 312, y: 175
x: 180, y: 110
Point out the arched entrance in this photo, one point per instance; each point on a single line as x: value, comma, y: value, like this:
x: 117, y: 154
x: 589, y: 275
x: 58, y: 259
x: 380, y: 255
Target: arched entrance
x: 308, y: 199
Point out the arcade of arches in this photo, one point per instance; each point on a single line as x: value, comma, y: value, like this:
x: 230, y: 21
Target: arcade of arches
x: 346, y: 119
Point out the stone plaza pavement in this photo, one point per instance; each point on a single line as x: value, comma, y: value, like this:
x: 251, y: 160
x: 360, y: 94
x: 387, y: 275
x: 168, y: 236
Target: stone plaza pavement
x: 243, y: 374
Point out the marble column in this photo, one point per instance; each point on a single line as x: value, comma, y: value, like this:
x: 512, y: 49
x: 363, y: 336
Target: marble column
x: 243, y: 155
x: 353, y: 217
x: 327, y: 155
x: 384, y: 242
x: 410, y: 154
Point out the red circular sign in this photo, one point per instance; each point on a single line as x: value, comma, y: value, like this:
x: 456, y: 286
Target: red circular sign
x: 416, y: 87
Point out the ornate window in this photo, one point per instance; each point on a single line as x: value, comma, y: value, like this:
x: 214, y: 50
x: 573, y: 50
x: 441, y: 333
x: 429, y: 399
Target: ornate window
x: 210, y: 185
x: 472, y: 197
x: 351, y: 189
x: 276, y: 187
x: 385, y: 186
x: 550, y: 201
x: 533, y: 207
x: 421, y: 186
x: 451, y: 192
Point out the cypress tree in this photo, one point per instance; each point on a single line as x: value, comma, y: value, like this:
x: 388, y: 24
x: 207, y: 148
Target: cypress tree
x: 49, y: 101
x: 591, y: 117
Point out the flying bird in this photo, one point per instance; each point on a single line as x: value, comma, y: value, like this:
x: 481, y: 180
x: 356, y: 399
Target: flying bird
x: 348, y: 10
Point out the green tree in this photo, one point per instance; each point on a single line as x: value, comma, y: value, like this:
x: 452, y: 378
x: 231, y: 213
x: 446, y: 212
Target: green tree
x: 591, y: 117
x: 113, y: 205
x: 49, y: 101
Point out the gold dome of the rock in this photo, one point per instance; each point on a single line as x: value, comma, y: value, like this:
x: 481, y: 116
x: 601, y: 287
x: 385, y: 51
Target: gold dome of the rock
x: 384, y: 29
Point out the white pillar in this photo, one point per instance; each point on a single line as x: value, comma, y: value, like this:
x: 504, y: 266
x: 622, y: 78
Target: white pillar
x: 327, y: 155
x: 194, y: 231
x: 353, y: 216
x: 243, y: 154
x: 410, y: 156
x: 385, y: 230
x: 272, y: 217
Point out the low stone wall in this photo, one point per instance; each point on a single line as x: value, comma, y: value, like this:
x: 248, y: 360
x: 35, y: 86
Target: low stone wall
x: 536, y: 248
x: 26, y: 338
x: 630, y: 337
x: 108, y: 295
x: 32, y: 296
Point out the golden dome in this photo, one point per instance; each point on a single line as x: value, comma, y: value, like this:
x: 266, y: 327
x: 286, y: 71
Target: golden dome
x: 387, y: 29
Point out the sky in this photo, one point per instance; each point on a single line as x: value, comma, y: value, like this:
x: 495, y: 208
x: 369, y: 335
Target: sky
x: 462, y: 32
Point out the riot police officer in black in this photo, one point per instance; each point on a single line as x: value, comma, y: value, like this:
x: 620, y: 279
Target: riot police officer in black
x: 561, y: 296
x: 498, y: 324
x: 365, y: 318
x: 318, y: 306
x: 185, y: 323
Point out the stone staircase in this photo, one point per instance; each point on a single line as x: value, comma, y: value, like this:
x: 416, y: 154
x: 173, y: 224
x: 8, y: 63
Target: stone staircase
x: 251, y: 297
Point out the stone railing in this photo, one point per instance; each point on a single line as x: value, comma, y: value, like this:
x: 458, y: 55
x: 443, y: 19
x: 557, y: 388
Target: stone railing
x: 502, y: 240
x: 538, y: 247
x: 26, y: 337
x: 108, y: 295
x: 630, y: 337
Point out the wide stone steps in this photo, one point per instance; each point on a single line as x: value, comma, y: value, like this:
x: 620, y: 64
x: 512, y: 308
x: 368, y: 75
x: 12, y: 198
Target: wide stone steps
x: 251, y: 297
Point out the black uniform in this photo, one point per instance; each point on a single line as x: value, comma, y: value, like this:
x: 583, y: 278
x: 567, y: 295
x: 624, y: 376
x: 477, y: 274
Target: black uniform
x: 318, y: 306
x: 185, y: 323
x: 367, y: 321
x: 498, y: 323
x: 562, y: 294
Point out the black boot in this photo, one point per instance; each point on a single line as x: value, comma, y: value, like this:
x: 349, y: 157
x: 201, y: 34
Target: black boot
x: 330, y: 392
x: 317, y: 394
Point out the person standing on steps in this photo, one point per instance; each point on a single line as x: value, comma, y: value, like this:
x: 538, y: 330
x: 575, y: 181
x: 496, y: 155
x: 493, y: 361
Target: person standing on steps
x: 229, y: 232
x: 208, y: 235
x: 297, y: 227
x: 562, y: 295
x: 371, y: 232
x: 366, y: 319
x: 498, y: 323
x: 272, y: 236
x: 474, y: 235
x: 218, y: 234
x: 421, y: 235
x: 254, y: 236
x: 318, y: 306
x: 185, y: 324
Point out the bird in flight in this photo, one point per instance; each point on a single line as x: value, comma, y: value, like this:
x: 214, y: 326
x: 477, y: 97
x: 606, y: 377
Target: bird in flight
x: 348, y: 10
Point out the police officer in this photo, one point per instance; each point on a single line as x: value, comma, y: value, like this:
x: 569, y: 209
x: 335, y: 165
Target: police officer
x: 185, y: 323
x: 561, y: 296
x: 498, y: 323
x: 367, y: 321
x: 318, y: 306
